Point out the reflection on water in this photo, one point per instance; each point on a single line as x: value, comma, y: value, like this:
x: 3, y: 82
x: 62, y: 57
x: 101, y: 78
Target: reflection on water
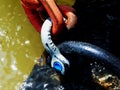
x: 20, y: 45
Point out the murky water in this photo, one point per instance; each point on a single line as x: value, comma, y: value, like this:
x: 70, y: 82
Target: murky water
x: 66, y: 2
x: 20, y: 45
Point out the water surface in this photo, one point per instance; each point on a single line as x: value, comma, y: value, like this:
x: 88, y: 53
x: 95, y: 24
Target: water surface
x: 20, y: 44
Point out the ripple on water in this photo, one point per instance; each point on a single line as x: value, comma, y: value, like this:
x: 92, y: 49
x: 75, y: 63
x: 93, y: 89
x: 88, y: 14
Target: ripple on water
x: 1, y: 19
x: 17, y: 53
x: 2, y: 32
x: 19, y: 27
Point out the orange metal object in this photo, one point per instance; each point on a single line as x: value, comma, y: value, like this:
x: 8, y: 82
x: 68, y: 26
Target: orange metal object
x: 31, y: 10
x: 36, y: 10
x: 55, y: 15
x: 69, y: 13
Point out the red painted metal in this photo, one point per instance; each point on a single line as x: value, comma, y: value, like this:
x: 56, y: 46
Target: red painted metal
x: 36, y: 10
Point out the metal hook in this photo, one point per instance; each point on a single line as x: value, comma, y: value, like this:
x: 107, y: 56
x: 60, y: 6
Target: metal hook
x: 58, y: 60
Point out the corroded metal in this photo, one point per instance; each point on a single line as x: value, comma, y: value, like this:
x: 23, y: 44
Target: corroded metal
x: 105, y: 77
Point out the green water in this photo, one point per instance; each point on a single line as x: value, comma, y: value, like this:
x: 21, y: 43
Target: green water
x: 66, y: 2
x: 20, y: 45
